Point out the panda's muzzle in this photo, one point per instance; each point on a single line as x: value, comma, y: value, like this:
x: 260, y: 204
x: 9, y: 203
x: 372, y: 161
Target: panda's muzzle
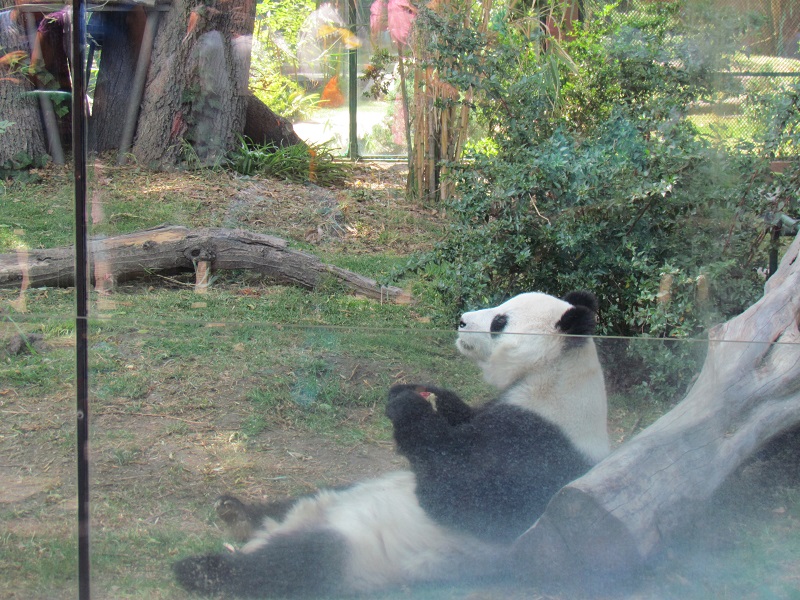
x: 464, y: 346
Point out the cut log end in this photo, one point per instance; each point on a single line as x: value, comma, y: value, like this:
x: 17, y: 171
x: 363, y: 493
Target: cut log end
x: 202, y: 277
x: 554, y: 552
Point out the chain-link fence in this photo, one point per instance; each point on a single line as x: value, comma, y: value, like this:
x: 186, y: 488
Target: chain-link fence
x: 767, y: 63
x: 763, y: 61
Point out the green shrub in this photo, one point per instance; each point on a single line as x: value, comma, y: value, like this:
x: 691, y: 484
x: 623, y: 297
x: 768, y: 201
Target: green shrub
x: 780, y: 116
x: 19, y: 166
x: 278, y: 23
x: 280, y: 92
x: 596, y: 180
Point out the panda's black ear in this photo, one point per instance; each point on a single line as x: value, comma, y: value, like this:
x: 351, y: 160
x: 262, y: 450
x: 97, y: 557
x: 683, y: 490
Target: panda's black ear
x: 581, y: 298
x: 578, y: 320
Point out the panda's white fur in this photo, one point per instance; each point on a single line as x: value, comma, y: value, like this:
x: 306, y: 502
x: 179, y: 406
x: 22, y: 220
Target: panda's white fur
x: 570, y: 393
x: 390, y: 539
x: 401, y: 528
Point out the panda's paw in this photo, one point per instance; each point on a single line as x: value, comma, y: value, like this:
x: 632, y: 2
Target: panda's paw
x: 407, y: 405
x: 452, y: 408
x: 230, y: 509
x: 236, y: 515
x: 209, y: 574
x: 403, y: 388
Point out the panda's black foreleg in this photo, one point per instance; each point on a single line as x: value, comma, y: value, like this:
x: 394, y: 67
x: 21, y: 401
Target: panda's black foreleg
x: 419, y: 431
x: 407, y: 409
x: 448, y: 405
x: 292, y: 565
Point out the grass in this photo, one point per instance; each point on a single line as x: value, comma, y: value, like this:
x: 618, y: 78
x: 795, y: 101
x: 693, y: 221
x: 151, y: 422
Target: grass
x: 299, y: 163
x: 37, y: 215
x: 263, y: 391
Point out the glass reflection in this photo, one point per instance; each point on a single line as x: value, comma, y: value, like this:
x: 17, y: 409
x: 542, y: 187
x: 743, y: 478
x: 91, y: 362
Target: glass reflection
x: 207, y: 384
x: 38, y: 549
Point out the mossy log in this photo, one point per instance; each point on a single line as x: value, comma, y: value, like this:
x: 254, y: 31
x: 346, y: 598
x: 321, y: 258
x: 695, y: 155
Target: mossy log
x: 618, y: 516
x: 171, y: 249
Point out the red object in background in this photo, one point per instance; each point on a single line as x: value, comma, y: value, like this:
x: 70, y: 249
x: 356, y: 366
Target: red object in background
x: 332, y: 96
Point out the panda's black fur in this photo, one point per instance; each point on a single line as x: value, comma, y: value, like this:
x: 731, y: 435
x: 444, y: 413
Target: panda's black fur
x: 490, y: 470
x: 480, y: 476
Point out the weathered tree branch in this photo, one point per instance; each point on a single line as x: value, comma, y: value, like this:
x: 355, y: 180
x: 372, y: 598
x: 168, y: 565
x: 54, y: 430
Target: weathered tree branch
x: 616, y: 517
x: 173, y: 249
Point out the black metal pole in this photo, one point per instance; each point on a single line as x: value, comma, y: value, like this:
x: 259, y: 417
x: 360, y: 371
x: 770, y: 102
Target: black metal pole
x: 78, y: 22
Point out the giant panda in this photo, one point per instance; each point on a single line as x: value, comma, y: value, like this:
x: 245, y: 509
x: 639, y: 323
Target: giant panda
x: 479, y: 477
x: 491, y: 470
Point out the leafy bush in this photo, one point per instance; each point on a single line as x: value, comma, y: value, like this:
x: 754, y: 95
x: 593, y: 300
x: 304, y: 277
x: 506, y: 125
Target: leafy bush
x: 596, y: 180
x: 780, y: 117
x: 274, y: 52
x: 280, y: 92
x: 19, y: 166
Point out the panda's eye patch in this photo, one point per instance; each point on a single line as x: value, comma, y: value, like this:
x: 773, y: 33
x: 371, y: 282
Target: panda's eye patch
x: 498, y: 323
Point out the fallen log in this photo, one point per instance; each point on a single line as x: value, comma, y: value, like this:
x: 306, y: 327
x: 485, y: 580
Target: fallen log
x: 171, y: 249
x: 609, y: 522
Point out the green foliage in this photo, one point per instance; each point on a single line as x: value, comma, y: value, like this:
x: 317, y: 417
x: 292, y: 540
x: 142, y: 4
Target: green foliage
x: 18, y: 167
x: 780, y: 116
x: 280, y: 20
x: 278, y: 23
x: 594, y: 178
x: 377, y: 74
x: 616, y: 213
x: 315, y: 162
x: 280, y: 92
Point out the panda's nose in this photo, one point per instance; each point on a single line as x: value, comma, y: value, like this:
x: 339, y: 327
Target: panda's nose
x: 461, y: 324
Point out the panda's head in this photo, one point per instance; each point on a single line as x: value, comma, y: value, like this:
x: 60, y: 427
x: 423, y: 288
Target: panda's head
x: 526, y: 333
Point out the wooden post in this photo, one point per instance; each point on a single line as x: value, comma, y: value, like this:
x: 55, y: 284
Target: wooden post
x: 202, y: 276
x: 45, y: 104
x: 132, y: 114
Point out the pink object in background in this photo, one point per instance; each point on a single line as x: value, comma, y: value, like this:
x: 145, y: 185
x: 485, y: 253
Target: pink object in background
x: 396, y: 15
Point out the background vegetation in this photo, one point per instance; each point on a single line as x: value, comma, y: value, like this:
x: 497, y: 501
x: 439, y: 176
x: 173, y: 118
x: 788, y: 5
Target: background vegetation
x: 613, y: 189
x: 274, y: 58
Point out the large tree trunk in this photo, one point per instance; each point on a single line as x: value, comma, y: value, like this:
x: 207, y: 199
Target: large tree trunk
x: 616, y: 517
x: 23, y: 137
x: 264, y: 127
x: 173, y: 249
x: 119, y: 35
x: 196, y: 90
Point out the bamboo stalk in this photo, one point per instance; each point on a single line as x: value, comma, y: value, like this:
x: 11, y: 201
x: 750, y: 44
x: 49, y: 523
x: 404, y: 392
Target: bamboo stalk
x: 406, y: 115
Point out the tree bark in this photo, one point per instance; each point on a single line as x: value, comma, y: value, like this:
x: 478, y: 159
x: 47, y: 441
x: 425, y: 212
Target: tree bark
x: 173, y: 249
x: 120, y: 38
x: 262, y: 126
x: 611, y: 521
x: 24, y: 136
x: 196, y: 91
